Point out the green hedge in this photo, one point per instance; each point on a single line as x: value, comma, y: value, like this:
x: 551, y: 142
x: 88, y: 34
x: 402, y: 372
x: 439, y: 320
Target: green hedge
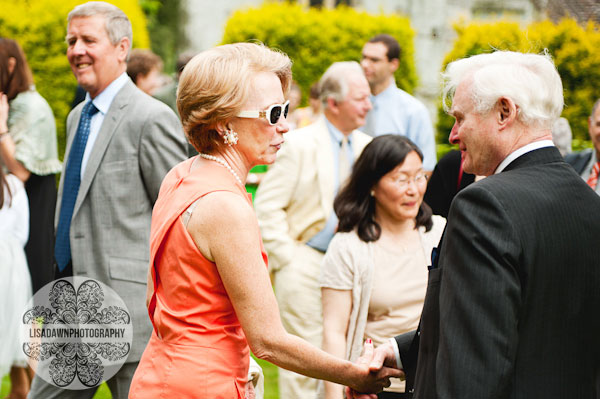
x: 40, y: 28
x: 575, y: 52
x: 315, y: 38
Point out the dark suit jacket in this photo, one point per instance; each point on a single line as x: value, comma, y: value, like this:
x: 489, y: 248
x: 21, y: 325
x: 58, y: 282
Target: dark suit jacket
x: 444, y: 183
x: 512, y: 309
x: 579, y: 160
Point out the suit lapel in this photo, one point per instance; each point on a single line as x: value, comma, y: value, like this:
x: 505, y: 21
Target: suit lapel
x: 107, y: 130
x: 356, y: 147
x: 325, y: 166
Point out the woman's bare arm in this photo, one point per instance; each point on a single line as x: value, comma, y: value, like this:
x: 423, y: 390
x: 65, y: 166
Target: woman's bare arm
x: 337, y: 305
x: 225, y: 230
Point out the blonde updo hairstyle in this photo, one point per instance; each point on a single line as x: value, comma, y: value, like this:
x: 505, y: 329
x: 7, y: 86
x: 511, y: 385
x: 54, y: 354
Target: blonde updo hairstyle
x: 216, y: 83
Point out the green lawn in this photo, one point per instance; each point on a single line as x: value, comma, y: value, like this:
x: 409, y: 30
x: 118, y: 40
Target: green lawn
x: 102, y: 393
x: 270, y: 371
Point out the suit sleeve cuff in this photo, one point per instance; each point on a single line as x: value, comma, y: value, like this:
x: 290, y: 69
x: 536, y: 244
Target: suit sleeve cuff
x: 396, y: 353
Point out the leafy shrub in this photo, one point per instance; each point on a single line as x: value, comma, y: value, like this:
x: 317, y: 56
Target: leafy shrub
x: 573, y: 48
x: 315, y: 38
x: 166, y: 27
x: 40, y: 27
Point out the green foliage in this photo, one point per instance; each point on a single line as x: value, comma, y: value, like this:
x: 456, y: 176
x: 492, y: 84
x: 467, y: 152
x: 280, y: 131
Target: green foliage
x: 573, y: 48
x: 40, y: 27
x: 315, y: 38
x: 166, y: 28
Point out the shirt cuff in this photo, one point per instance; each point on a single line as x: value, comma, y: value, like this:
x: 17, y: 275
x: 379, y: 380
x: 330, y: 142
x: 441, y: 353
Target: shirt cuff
x: 397, y: 353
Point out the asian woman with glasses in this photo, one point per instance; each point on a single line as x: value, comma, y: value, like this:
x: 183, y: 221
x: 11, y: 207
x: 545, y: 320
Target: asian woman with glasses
x: 374, y: 274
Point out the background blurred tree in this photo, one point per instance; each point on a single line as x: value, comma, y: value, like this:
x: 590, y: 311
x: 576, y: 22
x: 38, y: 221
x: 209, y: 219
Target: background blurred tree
x: 40, y: 27
x: 315, y: 38
x: 166, y: 22
x: 574, y: 49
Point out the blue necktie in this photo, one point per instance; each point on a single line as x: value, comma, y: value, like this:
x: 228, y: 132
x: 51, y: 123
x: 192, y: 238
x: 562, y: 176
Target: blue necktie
x: 62, y: 246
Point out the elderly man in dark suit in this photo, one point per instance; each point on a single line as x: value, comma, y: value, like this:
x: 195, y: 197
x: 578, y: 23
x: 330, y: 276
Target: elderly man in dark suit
x: 120, y: 144
x: 512, y: 302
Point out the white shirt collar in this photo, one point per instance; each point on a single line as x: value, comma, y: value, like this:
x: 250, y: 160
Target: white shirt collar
x: 106, y: 97
x: 523, y: 150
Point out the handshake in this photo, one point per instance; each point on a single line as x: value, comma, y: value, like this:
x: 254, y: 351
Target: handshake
x: 380, y: 365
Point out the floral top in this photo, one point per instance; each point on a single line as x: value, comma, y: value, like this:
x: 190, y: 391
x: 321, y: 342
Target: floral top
x: 31, y: 125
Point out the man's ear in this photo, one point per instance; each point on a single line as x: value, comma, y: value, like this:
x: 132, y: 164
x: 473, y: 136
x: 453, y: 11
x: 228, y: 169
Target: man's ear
x: 123, y: 46
x: 507, y: 111
x: 394, y: 64
x: 332, y: 104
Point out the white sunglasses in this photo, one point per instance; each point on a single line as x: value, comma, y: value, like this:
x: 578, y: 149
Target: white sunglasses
x: 272, y: 114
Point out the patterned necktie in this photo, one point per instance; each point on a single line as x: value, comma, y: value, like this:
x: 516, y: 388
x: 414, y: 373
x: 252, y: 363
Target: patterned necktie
x: 62, y: 246
x: 344, y: 164
x: 592, y: 181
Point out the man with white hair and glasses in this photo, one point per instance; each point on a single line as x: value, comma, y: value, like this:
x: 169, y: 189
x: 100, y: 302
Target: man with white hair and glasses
x: 512, y: 302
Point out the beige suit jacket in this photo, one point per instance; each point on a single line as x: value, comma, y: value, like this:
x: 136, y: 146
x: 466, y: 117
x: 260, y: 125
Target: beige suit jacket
x: 296, y: 195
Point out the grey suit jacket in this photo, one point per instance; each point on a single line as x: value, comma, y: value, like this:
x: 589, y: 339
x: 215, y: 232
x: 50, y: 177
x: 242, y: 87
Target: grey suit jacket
x: 511, y: 309
x: 579, y: 160
x: 139, y: 141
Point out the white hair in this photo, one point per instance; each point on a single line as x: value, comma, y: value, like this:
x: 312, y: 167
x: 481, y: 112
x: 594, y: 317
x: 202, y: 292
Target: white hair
x: 334, y: 82
x: 117, y: 24
x: 531, y: 81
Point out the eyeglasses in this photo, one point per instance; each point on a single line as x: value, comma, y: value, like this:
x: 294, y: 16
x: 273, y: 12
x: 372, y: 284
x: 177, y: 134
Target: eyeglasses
x: 272, y: 114
x: 404, y: 181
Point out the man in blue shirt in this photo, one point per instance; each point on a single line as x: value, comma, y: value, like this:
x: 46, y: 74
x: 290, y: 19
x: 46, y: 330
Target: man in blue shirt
x: 394, y: 110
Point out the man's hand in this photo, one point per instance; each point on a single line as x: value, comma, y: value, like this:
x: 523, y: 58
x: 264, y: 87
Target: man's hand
x: 384, y: 355
x: 382, y: 366
x: 379, y: 373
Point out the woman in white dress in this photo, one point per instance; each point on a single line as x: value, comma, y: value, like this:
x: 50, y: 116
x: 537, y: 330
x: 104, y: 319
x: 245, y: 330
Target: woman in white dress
x: 15, y: 281
x: 374, y: 273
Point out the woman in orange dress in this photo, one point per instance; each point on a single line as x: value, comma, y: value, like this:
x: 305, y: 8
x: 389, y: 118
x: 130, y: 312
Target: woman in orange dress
x: 209, y: 295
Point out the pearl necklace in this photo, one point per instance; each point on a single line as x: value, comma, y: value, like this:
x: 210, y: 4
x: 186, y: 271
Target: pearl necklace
x: 224, y: 163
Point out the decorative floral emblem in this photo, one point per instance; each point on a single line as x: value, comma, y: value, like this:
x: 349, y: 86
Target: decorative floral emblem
x: 81, y: 337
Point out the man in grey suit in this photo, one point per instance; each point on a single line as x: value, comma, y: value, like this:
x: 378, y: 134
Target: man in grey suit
x: 512, y: 302
x: 120, y: 144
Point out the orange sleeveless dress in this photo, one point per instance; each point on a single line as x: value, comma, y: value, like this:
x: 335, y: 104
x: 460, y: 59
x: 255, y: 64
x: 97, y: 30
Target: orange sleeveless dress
x: 197, y: 348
